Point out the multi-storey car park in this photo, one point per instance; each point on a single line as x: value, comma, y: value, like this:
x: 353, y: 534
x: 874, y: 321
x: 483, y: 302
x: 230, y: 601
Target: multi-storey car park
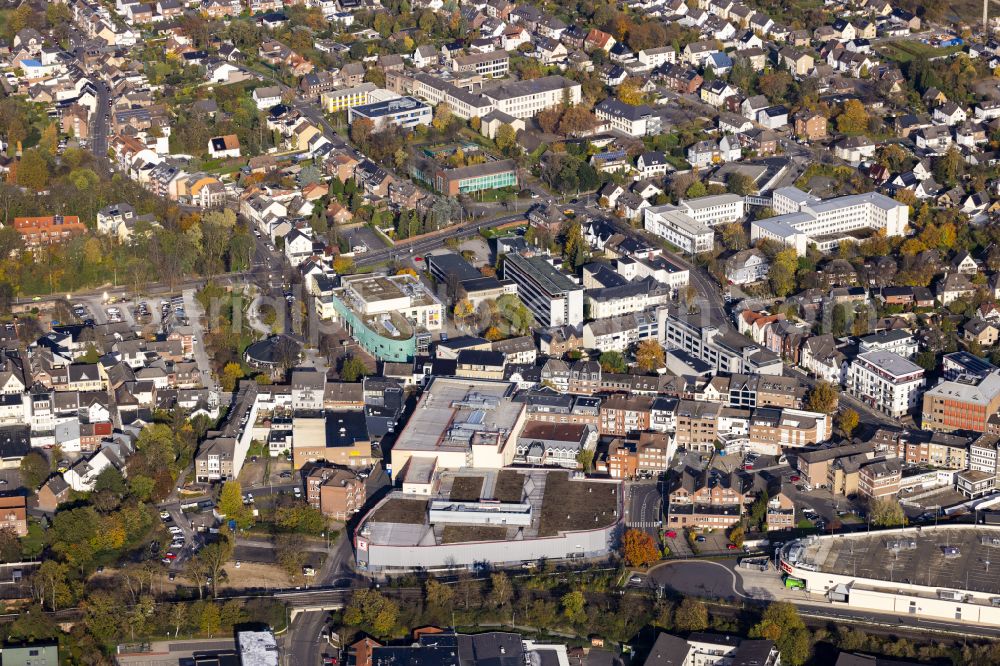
x: 941, y: 573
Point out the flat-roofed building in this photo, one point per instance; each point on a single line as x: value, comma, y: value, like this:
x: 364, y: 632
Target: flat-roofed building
x: 678, y: 228
x: 493, y: 65
x: 886, y: 381
x: 405, y: 112
x: 462, y: 422
x: 551, y: 295
x: 715, y: 209
x: 964, y: 403
x: 339, y: 438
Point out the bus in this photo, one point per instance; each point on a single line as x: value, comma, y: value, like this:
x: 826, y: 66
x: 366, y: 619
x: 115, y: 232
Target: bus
x: 793, y: 583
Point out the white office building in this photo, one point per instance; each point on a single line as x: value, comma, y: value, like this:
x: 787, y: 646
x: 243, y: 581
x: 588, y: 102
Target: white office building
x: 553, y: 297
x: 715, y: 209
x: 885, y: 381
x: 679, y: 228
x: 803, y: 219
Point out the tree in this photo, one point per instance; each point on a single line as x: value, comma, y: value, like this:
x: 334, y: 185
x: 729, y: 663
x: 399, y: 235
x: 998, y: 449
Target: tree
x: 10, y: 545
x: 33, y: 170
x: 639, y: 548
x: 948, y: 168
x: 232, y: 373
x: 757, y: 516
x: 741, y: 184
x: 442, y: 117
x: 353, y: 369
x: 612, y: 361
x: 737, y: 535
x: 650, y: 356
x: 438, y: 594
x: 822, y: 398
x: 781, y: 623
x: 695, y: 190
x: 573, y: 604
x: 585, y: 458
x: 35, y: 469
x: 734, y: 237
x: 886, y: 512
x: 630, y: 92
x: 213, y: 557
x: 848, y: 421
x: 209, y: 622
x: 853, y: 118
x: 361, y: 131
x: 343, y: 265
x: 691, y: 615
x: 372, y: 610
x: 501, y: 592
x: 575, y: 248
x: 231, y: 504
x: 506, y: 138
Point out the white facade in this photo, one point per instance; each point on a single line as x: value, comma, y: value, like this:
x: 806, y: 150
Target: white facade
x: 803, y: 219
x: 551, y: 295
x: 678, y: 228
x: 714, y: 210
x: 886, y: 381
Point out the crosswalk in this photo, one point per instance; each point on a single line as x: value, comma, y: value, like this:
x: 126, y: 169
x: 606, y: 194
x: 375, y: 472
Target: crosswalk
x: 645, y: 524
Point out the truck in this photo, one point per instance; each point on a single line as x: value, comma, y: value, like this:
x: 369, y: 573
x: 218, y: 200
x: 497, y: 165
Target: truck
x: 794, y: 583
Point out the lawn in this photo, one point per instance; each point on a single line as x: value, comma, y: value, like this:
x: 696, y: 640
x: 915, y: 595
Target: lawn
x: 509, y: 486
x: 406, y: 511
x: 465, y: 533
x: 906, y: 51
x: 576, y: 505
x: 466, y: 489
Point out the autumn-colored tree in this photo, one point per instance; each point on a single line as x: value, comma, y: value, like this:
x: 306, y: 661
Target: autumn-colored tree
x: 781, y: 623
x: 231, y: 374
x: 822, y: 398
x: 853, y: 118
x: 691, y: 615
x: 848, y: 421
x: 506, y: 137
x: 33, y: 170
x: 342, y: 265
x: 442, y: 117
x: 548, y: 119
x: 630, y: 92
x: 361, y: 131
x: 650, y: 356
x: 493, y: 334
x: 737, y: 535
x: 639, y: 549
x: 49, y: 140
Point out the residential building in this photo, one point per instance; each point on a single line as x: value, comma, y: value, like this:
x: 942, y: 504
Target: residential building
x: 47, y: 230
x: 552, y: 296
x: 886, y: 381
x: 705, y: 500
x: 633, y: 120
x: 491, y: 65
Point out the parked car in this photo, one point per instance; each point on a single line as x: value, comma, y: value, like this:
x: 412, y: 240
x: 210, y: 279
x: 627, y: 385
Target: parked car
x: 672, y: 534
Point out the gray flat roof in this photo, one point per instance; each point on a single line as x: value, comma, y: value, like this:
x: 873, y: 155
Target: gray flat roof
x: 552, y: 280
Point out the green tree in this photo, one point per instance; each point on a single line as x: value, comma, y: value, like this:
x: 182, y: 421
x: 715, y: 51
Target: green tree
x: 33, y: 170
x: 372, y: 610
x: 691, y: 615
x: 231, y: 504
x: 585, y: 458
x: 612, y: 361
x: 575, y: 248
x: 886, y: 512
x: 210, y: 622
x: 438, y: 595
x: 741, y: 184
x: 213, y: 558
x: 573, y: 605
x: 695, y: 190
x: 781, y: 623
x: 353, y: 369
x: 34, y: 469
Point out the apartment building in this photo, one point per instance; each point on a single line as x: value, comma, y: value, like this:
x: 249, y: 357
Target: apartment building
x: 814, y: 466
x: 697, y: 425
x: 765, y: 391
x: 773, y: 430
x: 622, y: 415
x: 885, y: 381
x: 678, y: 228
x: 552, y: 296
x: 964, y: 403
x: 524, y: 99
x: 879, y: 479
x: 634, y: 120
x: 493, y: 65
x: 780, y: 513
x: 703, y: 499
x: 803, y: 219
x: 48, y: 229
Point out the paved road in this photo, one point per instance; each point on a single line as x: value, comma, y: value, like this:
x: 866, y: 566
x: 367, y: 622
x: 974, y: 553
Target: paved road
x: 644, y: 510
